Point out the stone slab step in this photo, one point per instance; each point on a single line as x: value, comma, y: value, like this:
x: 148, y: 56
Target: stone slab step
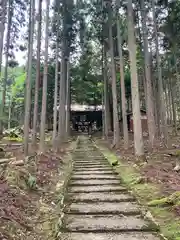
x: 86, y: 172
x: 91, y: 161
x: 109, y: 236
x: 97, y: 188
x: 100, y: 197
x: 102, y: 168
x: 88, y: 154
x: 125, y: 208
x: 94, y: 176
x: 103, y: 223
x: 95, y: 182
x: 89, y: 165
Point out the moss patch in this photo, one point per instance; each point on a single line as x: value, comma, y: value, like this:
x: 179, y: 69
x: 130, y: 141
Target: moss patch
x: 148, y: 193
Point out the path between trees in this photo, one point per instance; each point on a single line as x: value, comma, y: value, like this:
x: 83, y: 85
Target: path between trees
x: 97, y: 205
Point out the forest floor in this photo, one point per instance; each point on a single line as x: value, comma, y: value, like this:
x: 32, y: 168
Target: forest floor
x: 30, y: 194
x: 151, y: 179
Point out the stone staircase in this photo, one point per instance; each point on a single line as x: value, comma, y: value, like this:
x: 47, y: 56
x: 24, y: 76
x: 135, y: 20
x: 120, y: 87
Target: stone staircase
x: 97, y: 205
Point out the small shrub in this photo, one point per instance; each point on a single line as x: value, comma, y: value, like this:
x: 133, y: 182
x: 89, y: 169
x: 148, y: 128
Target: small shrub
x: 31, y: 182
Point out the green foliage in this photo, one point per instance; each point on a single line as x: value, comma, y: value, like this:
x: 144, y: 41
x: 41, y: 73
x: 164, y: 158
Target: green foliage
x: 31, y: 182
x: 173, y: 199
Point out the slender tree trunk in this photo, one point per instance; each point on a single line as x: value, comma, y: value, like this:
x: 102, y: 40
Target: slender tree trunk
x: 155, y: 94
x: 123, y: 97
x: 28, y: 80
x: 107, y: 121
x: 35, y: 114
x: 173, y: 105
x: 149, y: 91
x: 45, y: 76
x: 62, y: 93
x: 62, y: 97
x: 3, y: 6
x: 114, y: 89
x: 138, y: 138
x: 68, y: 101
x: 170, y: 102
x: 142, y: 77
x: 9, y: 112
x: 56, y: 94
x: 10, y: 14
x: 167, y: 103
x: 163, y: 125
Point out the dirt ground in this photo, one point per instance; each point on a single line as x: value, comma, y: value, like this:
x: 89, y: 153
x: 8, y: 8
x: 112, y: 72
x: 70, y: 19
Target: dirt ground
x: 158, y: 166
x: 27, y: 192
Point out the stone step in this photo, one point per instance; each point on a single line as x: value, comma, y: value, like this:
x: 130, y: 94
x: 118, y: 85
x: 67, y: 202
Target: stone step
x: 86, y: 172
x: 109, y: 236
x: 94, y: 182
x: 90, y: 161
x: 97, y: 188
x: 125, y: 208
x: 89, y: 165
x: 108, y: 168
x: 100, y: 197
x: 89, y: 156
x: 77, y: 176
x: 104, y: 223
x: 97, y: 207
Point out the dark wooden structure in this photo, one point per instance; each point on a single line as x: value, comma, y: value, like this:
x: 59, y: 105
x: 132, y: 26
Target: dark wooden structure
x: 83, y: 119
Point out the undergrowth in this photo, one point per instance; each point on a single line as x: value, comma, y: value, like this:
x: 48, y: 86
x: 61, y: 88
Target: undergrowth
x: 148, y: 194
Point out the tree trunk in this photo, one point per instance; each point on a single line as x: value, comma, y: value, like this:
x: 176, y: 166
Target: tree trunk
x: 163, y: 125
x: 173, y: 105
x: 107, y: 121
x: 9, y: 14
x: 68, y: 101
x: 138, y: 138
x: 167, y: 103
x: 62, y: 93
x: 114, y: 89
x: 170, y: 102
x: 123, y: 97
x: 56, y: 94
x: 9, y: 112
x: 3, y: 6
x: 45, y: 76
x: 149, y: 92
x: 28, y: 80
x: 35, y: 114
x: 62, y: 102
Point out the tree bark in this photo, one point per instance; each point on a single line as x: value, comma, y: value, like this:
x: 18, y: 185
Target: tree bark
x: 107, y: 121
x: 56, y: 94
x: 45, y: 76
x: 163, y: 125
x: 35, y: 114
x: 9, y: 112
x: 149, y: 91
x: 116, y: 136
x: 62, y: 98
x: 62, y: 93
x: 123, y: 97
x: 173, y: 106
x: 28, y: 81
x: 138, y: 138
x: 68, y: 101
x: 3, y: 6
x: 167, y: 102
x: 9, y: 14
